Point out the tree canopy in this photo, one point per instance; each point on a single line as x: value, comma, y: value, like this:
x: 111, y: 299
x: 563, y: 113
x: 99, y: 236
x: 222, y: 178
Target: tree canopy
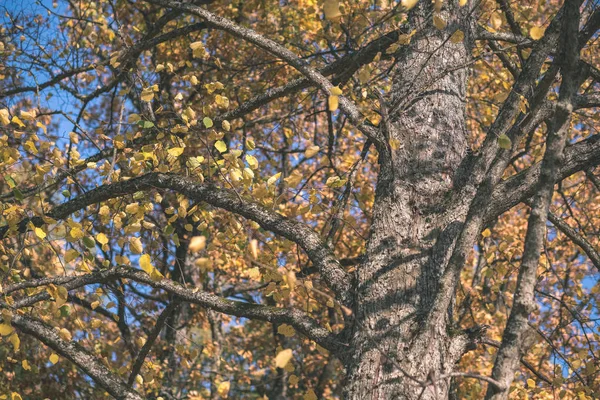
x: 299, y: 199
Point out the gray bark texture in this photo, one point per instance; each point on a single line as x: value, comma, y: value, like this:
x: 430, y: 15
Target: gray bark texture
x: 433, y: 198
x: 412, y: 222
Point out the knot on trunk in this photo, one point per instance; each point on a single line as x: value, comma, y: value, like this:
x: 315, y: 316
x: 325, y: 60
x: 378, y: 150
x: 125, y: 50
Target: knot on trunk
x: 466, y: 340
x: 475, y: 335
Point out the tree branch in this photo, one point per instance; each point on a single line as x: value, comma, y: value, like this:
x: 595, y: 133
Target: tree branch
x: 508, y: 354
x: 291, y: 316
x: 272, y: 47
x: 160, y: 323
x: 576, y: 238
x: 76, y: 354
x: 518, y: 188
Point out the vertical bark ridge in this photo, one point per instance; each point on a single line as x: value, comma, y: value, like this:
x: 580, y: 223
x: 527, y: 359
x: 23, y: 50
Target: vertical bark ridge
x: 427, y: 140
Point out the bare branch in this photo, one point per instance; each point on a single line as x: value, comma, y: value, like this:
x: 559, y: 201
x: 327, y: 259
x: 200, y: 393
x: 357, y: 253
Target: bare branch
x: 160, y: 323
x: 578, y: 239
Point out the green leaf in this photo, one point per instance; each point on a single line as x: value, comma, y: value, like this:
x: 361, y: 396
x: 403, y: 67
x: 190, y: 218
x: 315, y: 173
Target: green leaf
x: 88, y: 242
x: 11, y: 182
x: 146, y: 124
x: 207, y: 122
x: 504, y: 142
x: 18, y: 194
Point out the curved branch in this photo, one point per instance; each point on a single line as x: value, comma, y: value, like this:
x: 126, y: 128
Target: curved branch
x: 299, y: 320
x: 516, y: 189
x: 272, y: 47
x: 576, y: 238
x: 76, y: 354
x: 322, y: 257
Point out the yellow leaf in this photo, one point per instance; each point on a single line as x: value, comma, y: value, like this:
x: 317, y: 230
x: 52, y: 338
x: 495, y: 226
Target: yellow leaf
x: 405, y: 39
x: 496, y: 20
x: 457, y: 37
x: 16, y: 120
x: 537, y: 32
x: 26, y: 365
x: 294, y: 179
x: 226, y: 125
x: 221, y: 101
x: 283, y: 357
x: 147, y: 94
x: 65, y: 334
x: 311, y: 151
x: 101, y: 238
x: 15, y: 396
x: 273, y: 179
x: 197, y: 243
x: 252, y: 161
x: 95, y: 304
x: 41, y: 126
x: 135, y: 245
x: 70, y: 255
x: 530, y: 383
x: 254, y: 248
x: 146, y: 264
x: 60, y: 296
x: 364, y: 75
x: 408, y: 4
x: 335, y: 91
x: 96, y: 323
x: 331, y: 8
x: 155, y: 275
x: 4, y: 116
x: 53, y: 358
x: 221, y: 146
x: 77, y: 233
x: 198, y: 50
x: 223, y: 389
x: 286, y: 330
x: 132, y: 208
x: 175, y: 151
x: 333, y: 103
x: 39, y: 232
x: 439, y: 22
x: 6, y: 329
x: 462, y: 3
x: 310, y: 395
x: 335, y: 182
x: 28, y: 115
x: 16, y: 342
x: 196, y: 45
x: 487, y: 233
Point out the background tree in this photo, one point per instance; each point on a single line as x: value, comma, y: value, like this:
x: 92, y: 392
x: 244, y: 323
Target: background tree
x: 366, y: 199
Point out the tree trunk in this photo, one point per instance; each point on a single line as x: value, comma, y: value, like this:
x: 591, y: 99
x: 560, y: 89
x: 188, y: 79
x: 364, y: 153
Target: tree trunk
x: 413, y: 221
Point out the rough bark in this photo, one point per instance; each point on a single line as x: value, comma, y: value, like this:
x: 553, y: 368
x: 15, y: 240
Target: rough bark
x: 524, y: 301
x: 392, y: 347
x: 397, y: 282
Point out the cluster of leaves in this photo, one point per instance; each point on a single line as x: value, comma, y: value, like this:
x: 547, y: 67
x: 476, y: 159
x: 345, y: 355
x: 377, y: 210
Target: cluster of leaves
x: 100, y: 92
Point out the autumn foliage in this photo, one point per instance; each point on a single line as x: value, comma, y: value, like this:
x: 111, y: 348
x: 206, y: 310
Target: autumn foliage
x: 187, y: 192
